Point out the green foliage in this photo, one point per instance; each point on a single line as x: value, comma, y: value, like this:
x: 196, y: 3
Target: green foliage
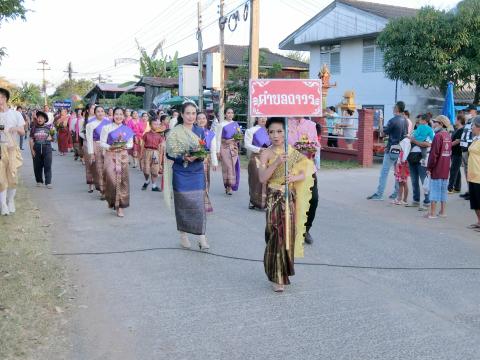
x: 72, y: 87
x: 130, y: 101
x: 27, y: 95
x: 237, y: 84
x: 299, y: 56
x: 10, y: 10
x: 157, y: 64
x: 424, y: 50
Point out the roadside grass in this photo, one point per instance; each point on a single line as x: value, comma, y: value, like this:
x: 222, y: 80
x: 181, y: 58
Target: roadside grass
x: 31, y: 283
x: 338, y: 165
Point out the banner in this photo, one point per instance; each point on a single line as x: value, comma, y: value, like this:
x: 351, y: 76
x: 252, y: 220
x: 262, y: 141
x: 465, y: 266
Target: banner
x: 285, y: 97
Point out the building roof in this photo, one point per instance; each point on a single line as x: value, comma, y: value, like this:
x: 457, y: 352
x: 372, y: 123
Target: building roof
x: 110, y: 87
x: 159, y: 82
x: 386, y: 12
x: 235, y: 54
x: 382, y: 10
x: 460, y: 96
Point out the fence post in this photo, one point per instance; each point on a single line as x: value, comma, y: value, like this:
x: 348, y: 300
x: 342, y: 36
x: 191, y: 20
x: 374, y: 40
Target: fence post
x: 365, y: 137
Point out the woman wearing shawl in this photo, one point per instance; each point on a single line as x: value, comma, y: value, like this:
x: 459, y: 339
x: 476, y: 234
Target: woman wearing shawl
x: 228, y: 144
x: 256, y: 140
x: 76, y: 124
x: 138, y: 127
x: 94, y: 130
x: 89, y: 116
x: 184, y: 147
x: 116, y: 138
x: 278, y: 260
x: 63, y: 132
x: 211, y: 160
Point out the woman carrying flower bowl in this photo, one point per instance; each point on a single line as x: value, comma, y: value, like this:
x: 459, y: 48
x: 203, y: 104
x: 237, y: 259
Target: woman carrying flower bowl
x: 116, y: 138
x: 184, y: 147
x: 229, y: 136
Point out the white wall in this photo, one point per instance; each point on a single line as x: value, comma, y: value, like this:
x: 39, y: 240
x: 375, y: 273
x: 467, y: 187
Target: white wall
x: 371, y: 88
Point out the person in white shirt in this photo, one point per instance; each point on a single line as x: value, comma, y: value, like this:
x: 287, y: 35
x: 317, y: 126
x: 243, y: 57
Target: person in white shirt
x: 47, y: 111
x: 12, y: 125
x: 90, y: 164
x: 256, y: 140
x: 173, y: 120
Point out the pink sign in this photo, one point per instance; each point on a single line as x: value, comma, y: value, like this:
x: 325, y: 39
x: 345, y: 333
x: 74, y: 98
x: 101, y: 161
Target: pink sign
x: 285, y: 97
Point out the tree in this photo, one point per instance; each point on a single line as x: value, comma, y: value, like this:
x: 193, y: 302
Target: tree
x: 425, y: 49
x: 157, y: 64
x: 27, y: 95
x: 468, y: 17
x: 299, y: 56
x: 72, y: 87
x: 237, y: 84
x: 130, y: 101
x: 10, y: 10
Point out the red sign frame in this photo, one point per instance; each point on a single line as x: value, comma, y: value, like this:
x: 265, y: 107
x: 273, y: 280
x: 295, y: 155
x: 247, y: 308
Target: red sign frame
x: 285, y: 97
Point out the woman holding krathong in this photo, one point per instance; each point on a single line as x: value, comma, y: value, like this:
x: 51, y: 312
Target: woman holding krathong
x: 229, y: 137
x: 285, y: 228
x: 116, y: 138
x: 186, y: 147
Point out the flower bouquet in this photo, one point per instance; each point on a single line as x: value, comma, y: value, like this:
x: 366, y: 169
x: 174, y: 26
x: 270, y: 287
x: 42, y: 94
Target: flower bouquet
x: 200, y: 152
x: 306, y: 147
x: 238, y: 136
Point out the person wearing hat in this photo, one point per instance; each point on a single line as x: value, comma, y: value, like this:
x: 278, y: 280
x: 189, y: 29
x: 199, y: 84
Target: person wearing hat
x: 466, y: 141
x: 12, y: 124
x: 41, y: 149
x: 438, y: 167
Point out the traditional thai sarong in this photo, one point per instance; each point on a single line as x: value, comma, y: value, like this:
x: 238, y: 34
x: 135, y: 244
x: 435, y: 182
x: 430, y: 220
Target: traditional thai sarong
x: 117, y: 188
x: 188, y: 180
x: 278, y: 261
x: 10, y: 162
x: 229, y: 156
x: 210, y: 146
x: 89, y: 166
x: 97, y: 170
x: 63, y: 138
x: 257, y: 190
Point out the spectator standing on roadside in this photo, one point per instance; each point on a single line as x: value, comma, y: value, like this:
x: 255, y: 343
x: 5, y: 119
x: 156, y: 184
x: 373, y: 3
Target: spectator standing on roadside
x: 438, y: 167
x: 455, y: 179
x: 396, y: 129
x: 466, y: 141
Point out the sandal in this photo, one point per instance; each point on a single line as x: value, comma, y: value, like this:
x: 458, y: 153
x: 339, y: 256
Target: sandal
x: 473, y: 226
x: 428, y: 216
x: 442, y: 215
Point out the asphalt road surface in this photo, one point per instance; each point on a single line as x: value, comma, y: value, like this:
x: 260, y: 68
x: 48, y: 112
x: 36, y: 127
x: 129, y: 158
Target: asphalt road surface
x: 176, y: 304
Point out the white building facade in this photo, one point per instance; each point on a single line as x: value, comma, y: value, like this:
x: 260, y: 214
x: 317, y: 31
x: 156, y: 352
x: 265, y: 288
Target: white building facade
x: 343, y: 36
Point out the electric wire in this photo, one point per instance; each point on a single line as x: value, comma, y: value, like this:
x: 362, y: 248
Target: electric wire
x: 319, y: 264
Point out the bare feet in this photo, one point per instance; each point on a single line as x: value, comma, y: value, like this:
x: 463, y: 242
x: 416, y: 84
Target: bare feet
x: 278, y: 288
x: 120, y: 212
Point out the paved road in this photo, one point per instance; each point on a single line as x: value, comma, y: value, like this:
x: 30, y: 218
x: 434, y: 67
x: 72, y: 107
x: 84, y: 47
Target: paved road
x: 184, y: 305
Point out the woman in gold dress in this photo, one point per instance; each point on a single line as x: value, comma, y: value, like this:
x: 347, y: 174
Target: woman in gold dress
x: 284, y: 242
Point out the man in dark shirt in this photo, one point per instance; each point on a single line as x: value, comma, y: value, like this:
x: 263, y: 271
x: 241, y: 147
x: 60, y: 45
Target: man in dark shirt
x: 396, y: 130
x: 466, y: 141
x: 455, y: 179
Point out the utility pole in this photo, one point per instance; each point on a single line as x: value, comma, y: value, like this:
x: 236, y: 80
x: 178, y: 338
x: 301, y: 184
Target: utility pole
x: 200, y: 56
x: 221, y: 105
x: 70, y: 71
x: 254, y: 56
x: 44, y: 81
x: 100, y: 78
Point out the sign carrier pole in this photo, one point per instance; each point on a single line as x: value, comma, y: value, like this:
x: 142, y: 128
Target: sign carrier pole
x: 287, y: 204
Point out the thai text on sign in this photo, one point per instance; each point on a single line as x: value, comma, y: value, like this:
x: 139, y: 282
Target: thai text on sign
x: 285, y: 97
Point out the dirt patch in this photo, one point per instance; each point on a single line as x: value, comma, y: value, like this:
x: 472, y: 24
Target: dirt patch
x: 34, y: 292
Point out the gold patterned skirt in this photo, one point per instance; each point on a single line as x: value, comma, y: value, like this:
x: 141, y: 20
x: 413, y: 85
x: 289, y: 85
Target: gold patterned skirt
x: 117, y: 187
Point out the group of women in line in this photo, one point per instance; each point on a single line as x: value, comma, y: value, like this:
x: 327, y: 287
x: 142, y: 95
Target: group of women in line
x: 184, y: 156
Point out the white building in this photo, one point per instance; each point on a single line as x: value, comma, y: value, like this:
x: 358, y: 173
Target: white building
x: 342, y: 36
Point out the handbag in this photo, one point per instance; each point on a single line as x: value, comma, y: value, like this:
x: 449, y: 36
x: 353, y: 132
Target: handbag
x: 414, y: 157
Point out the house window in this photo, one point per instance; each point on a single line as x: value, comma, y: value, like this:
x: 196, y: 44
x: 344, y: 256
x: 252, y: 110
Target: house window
x: 330, y: 55
x: 372, y: 56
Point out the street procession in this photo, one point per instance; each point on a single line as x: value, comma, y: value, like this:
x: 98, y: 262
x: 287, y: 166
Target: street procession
x: 195, y: 185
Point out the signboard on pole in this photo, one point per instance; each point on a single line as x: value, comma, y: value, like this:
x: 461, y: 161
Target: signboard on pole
x: 285, y: 97
x: 65, y: 104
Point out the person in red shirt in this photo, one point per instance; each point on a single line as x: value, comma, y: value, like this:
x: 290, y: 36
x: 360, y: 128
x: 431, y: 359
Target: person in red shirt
x: 438, y: 167
x: 152, y: 153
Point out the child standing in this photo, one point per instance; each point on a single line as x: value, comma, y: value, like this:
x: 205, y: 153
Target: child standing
x: 438, y: 167
x: 152, y: 154
x: 402, y: 173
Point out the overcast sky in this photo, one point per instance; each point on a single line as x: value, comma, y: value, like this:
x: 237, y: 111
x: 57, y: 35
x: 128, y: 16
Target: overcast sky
x: 93, y: 33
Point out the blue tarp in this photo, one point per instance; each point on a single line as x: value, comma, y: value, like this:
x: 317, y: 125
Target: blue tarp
x: 449, y: 105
